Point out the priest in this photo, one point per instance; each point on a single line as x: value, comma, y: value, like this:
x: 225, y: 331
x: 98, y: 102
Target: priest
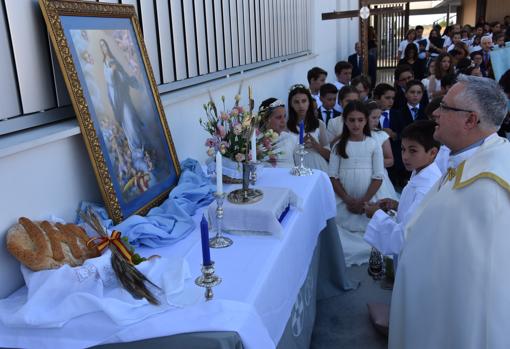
x: 452, y: 285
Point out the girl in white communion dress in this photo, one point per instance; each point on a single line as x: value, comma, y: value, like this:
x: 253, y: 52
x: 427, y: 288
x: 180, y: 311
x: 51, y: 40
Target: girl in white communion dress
x: 316, y: 136
x: 356, y: 171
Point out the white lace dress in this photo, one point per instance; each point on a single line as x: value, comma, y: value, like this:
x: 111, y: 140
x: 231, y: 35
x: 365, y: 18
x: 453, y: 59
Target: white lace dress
x: 355, y: 173
x: 387, y: 190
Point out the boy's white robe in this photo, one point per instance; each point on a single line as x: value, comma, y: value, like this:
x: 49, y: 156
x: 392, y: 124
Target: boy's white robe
x: 386, y: 234
x: 452, y: 288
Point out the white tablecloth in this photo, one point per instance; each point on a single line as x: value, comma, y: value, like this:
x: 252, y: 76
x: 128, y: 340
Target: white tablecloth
x: 261, y: 276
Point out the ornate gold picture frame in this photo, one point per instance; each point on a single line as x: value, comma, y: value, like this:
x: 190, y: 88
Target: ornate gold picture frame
x: 107, y: 72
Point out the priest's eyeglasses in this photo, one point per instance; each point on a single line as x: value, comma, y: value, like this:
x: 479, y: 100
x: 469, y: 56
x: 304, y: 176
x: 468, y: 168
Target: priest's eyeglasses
x: 445, y: 108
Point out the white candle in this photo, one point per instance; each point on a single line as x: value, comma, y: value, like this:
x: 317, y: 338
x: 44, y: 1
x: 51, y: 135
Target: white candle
x: 219, y: 174
x: 253, y: 147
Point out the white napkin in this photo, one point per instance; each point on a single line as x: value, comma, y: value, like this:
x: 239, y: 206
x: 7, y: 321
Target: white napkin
x: 53, y: 297
x: 260, y: 218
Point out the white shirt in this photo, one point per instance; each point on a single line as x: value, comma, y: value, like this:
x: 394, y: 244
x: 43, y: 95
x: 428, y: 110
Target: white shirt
x: 317, y: 98
x: 387, y: 234
x: 447, y: 41
x: 339, y: 86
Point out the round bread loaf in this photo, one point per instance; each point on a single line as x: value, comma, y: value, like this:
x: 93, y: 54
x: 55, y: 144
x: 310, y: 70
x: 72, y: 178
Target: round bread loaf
x: 44, y: 245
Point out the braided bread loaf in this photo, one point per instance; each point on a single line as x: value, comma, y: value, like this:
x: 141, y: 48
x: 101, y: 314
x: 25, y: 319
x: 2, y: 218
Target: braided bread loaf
x: 44, y: 245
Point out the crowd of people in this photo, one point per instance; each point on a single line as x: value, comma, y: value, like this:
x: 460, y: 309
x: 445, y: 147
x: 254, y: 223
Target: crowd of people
x: 385, y: 146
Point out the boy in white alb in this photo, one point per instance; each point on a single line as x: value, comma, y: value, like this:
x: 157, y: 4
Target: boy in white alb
x: 419, y: 150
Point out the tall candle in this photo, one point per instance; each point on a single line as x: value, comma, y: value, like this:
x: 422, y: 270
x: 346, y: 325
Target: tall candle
x: 253, y: 147
x: 204, y: 233
x: 301, y: 132
x: 219, y: 174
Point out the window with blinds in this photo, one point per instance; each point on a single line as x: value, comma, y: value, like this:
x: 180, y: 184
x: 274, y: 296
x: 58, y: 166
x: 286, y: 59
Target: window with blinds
x: 188, y: 42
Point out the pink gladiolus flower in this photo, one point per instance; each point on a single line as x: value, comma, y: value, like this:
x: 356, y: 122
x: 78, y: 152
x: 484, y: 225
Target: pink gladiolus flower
x: 220, y: 131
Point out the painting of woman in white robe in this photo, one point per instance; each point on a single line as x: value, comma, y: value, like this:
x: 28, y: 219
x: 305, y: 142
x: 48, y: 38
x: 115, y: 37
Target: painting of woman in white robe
x: 129, y: 125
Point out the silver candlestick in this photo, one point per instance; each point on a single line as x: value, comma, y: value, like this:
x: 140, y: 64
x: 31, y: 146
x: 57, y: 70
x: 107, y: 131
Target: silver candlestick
x: 208, y: 280
x: 219, y: 241
x: 301, y: 170
x: 246, y: 195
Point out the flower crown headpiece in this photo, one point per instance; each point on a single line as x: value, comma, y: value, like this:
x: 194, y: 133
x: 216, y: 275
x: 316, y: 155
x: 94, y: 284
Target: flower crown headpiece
x: 296, y: 86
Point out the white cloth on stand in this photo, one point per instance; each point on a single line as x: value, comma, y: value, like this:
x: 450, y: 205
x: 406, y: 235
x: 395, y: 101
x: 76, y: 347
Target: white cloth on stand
x: 259, y: 218
x: 387, y: 234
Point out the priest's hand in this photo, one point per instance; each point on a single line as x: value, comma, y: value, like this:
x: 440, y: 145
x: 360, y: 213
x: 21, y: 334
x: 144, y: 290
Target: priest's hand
x: 370, y: 209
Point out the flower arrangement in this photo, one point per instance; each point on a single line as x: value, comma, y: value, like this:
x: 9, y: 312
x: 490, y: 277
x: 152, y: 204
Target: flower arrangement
x: 231, y: 131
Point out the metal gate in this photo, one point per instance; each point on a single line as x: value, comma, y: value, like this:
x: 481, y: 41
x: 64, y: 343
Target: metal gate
x: 390, y: 25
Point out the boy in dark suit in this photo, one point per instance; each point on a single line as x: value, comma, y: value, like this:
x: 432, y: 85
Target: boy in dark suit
x: 413, y: 110
x: 403, y: 74
x: 393, y: 123
x: 328, y: 95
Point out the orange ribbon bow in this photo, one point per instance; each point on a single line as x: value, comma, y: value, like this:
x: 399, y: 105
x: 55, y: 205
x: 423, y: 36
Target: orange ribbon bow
x: 103, y: 242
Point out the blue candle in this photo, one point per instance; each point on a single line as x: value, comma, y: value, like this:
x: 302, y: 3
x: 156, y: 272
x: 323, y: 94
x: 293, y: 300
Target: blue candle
x: 301, y: 132
x: 204, y: 230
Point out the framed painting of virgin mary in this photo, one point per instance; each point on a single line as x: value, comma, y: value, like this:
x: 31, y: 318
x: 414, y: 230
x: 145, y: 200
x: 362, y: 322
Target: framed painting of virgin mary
x: 109, y: 78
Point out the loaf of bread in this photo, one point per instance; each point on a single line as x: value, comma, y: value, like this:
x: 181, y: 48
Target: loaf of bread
x: 44, y: 245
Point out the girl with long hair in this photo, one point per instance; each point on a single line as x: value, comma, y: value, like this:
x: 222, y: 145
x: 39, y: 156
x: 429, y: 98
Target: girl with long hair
x: 444, y: 65
x: 356, y: 171
x: 301, y: 109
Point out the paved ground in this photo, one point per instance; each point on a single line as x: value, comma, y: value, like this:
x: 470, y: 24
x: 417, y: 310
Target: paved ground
x: 343, y: 322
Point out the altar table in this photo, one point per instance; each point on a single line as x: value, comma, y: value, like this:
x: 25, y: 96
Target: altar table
x: 268, y: 284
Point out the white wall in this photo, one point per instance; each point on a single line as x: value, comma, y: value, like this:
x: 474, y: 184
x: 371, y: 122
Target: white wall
x: 54, y: 177
x: 347, y: 29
